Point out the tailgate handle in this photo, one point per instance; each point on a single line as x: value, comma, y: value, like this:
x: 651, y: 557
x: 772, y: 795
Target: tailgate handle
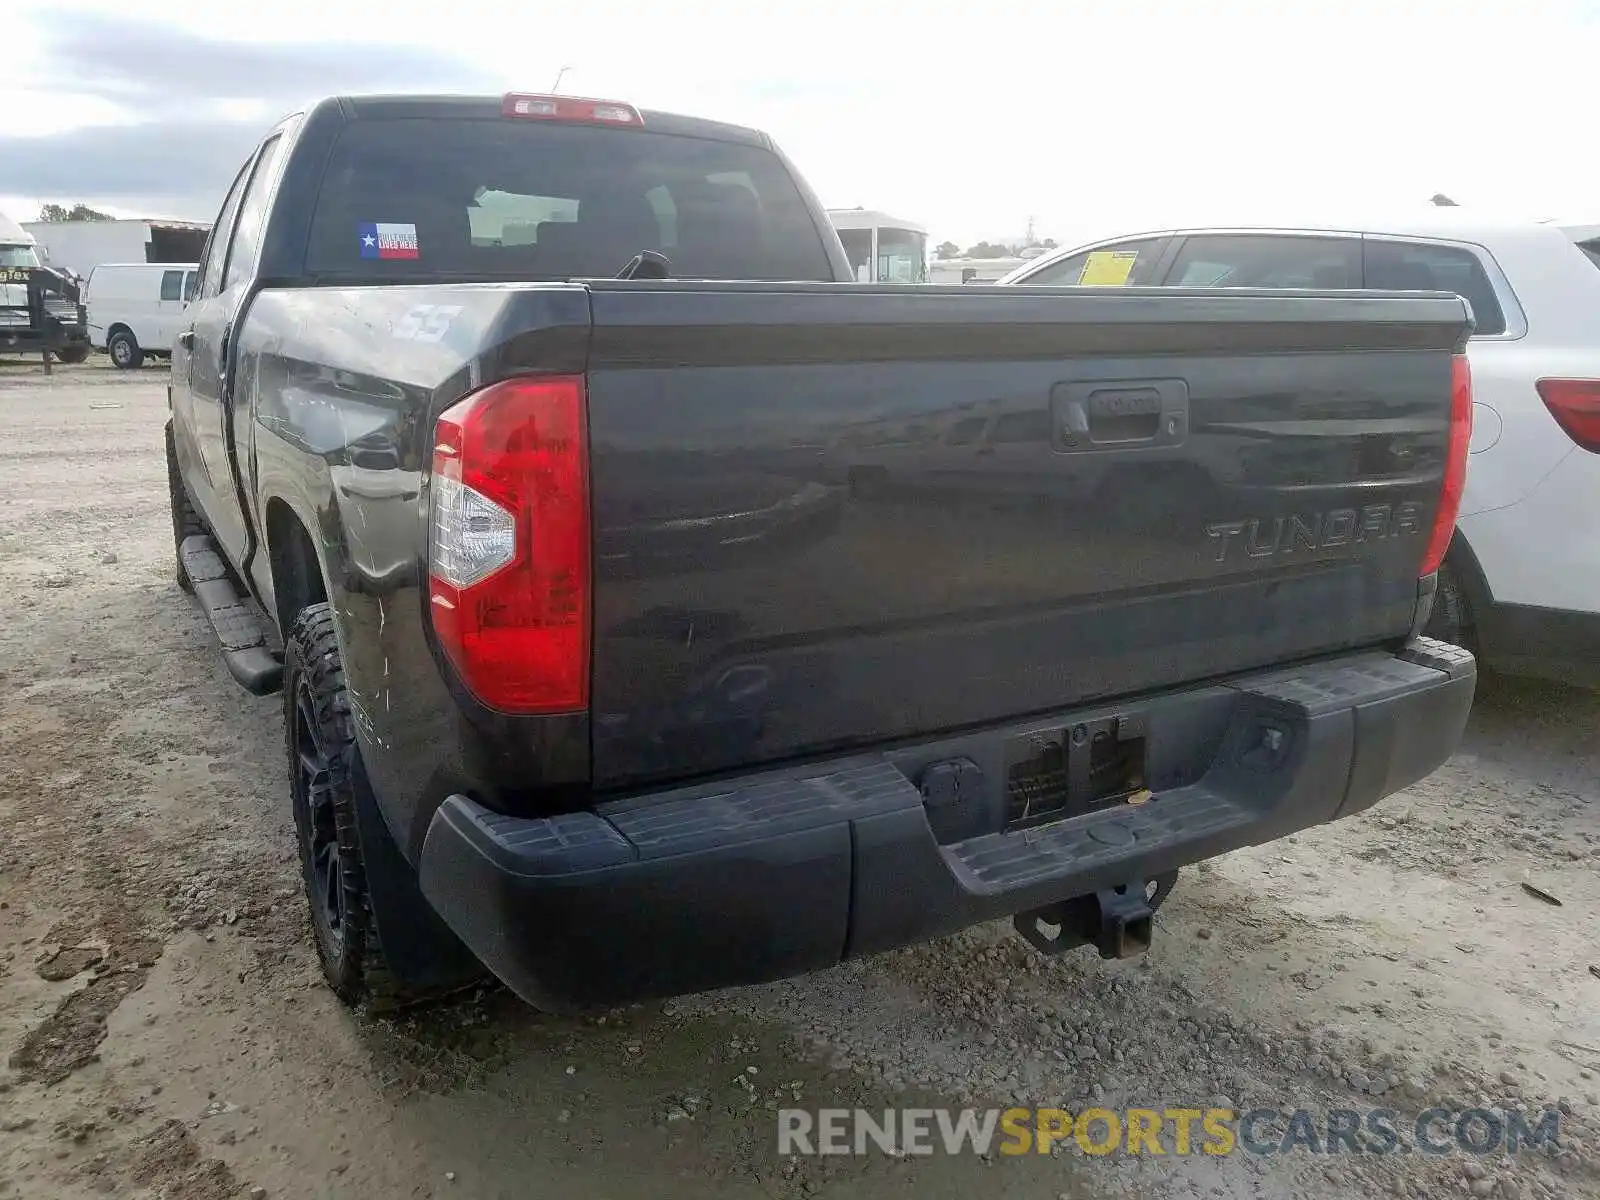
x: 1120, y: 414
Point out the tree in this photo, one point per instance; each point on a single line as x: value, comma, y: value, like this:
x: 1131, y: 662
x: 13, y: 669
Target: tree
x: 946, y: 250
x: 78, y: 212
x: 1443, y: 201
x: 988, y: 250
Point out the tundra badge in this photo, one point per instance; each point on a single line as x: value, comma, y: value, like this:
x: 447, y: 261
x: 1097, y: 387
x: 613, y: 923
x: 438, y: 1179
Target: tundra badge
x: 1264, y: 537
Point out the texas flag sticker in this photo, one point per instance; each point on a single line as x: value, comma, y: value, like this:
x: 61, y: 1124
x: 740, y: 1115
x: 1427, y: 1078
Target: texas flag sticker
x: 387, y: 241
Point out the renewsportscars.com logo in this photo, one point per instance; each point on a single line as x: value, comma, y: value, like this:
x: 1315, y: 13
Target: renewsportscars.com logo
x: 1163, y: 1131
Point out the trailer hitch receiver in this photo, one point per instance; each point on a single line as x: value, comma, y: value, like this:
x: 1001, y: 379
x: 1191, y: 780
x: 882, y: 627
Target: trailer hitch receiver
x: 1117, y: 921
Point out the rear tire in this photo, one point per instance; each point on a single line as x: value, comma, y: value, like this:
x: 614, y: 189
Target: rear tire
x: 186, y: 522
x: 124, y: 350
x: 325, y: 772
x: 73, y: 354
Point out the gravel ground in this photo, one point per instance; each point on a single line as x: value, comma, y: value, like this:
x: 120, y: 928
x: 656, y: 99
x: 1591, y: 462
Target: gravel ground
x: 165, y: 1031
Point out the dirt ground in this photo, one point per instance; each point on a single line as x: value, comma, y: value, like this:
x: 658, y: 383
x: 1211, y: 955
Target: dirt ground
x: 164, y: 1031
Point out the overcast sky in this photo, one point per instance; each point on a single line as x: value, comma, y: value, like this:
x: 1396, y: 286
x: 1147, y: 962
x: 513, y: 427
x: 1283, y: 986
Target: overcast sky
x: 1090, y: 117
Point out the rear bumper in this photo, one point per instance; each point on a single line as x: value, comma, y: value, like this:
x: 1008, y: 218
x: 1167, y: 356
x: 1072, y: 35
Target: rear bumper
x: 787, y: 872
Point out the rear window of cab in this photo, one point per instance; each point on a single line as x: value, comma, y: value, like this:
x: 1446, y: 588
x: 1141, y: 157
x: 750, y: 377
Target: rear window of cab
x: 413, y: 198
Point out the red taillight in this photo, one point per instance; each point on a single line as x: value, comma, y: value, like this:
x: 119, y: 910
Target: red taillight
x: 569, y: 108
x: 508, y: 544
x: 1575, y: 404
x: 1455, y: 464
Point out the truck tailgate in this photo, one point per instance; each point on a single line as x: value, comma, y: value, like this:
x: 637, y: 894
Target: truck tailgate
x: 829, y: 515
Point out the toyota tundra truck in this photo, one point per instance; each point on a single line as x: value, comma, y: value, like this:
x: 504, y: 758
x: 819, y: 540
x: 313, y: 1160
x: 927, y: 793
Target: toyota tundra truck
x: 655, y: 609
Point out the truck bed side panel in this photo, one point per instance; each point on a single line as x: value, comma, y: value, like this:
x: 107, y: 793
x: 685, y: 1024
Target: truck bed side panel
x: 338, y: 390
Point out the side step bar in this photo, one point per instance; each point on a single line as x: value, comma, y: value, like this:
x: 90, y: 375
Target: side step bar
x: 234, y: 619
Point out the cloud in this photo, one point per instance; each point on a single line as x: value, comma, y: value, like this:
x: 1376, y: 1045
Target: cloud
x: 192, y: 106
x: 154, y: 69
x: 159, y: 164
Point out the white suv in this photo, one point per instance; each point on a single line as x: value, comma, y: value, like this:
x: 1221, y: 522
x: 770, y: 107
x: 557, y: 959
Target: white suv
x: 1521, y: 583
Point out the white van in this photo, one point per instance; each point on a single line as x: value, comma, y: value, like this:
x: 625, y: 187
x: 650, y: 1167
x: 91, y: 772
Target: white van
x: 136, y: 309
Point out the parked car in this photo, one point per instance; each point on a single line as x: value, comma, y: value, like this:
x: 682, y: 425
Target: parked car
x: 1521, y: 582
x: 136, y: 309
x: 511, y: 441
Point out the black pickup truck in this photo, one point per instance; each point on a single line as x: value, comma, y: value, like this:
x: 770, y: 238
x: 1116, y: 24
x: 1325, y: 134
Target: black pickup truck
x: 655, y: 610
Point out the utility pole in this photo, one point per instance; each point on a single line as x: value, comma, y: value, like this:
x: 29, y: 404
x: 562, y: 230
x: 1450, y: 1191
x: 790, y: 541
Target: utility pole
x: 1029, y: 240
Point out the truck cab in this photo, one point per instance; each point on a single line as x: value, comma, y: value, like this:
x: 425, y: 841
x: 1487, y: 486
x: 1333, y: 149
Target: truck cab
x: 18, y: 255
x: 40, y: 310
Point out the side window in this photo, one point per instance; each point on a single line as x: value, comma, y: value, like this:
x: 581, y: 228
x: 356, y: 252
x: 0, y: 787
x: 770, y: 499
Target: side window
x: 1114, y: 265
x: 171, y: 285
x: 190, y: 278
x: 252, y: 216
x: 1419, y: 267
x: 217, y: 243
x: 1267, y: 261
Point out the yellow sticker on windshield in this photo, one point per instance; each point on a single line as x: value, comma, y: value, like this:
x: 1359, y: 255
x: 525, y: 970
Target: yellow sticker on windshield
x: 1107, y: 268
